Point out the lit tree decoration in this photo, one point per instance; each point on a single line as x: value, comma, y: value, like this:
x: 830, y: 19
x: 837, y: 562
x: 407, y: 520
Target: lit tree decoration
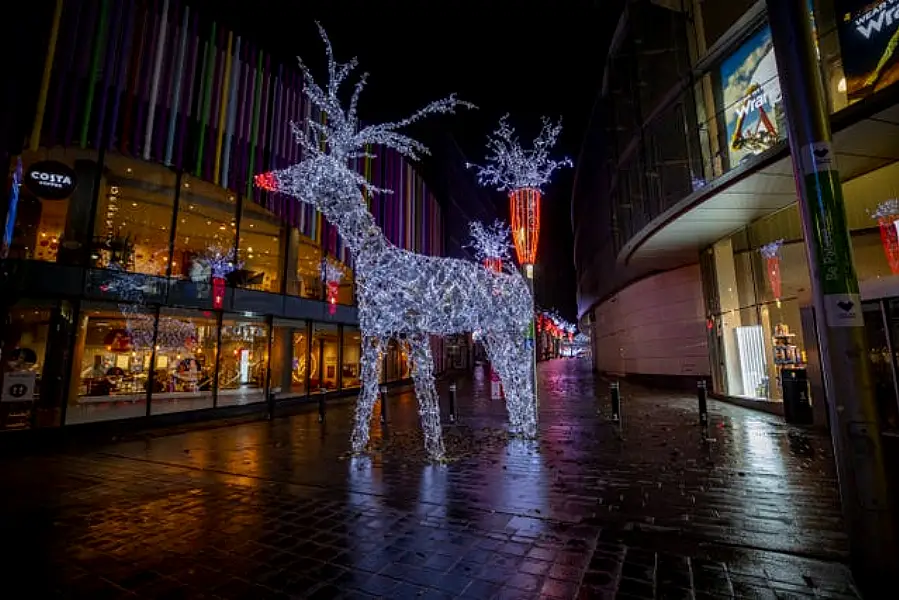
x: 331, y: 275
x: 510, y: 167
x: 491, y: 244
x: 215, y: 265
x: 887, y: 215
x: 522, y: 173
x: 402, y: 294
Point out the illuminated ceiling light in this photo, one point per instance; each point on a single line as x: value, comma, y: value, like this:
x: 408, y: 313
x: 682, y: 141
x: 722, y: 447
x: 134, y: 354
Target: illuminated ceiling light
x: 841, y: 85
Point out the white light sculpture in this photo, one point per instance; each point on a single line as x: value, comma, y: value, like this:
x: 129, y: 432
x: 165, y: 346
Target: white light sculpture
x: 402, y: 294
x: 510, y: 167
x: 491, y: 242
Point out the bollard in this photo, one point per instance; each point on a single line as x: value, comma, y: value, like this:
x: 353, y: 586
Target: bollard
x: 321, y: 405
x: 615, y: 395
x: 452, y: 402
x: 703, y: 405
x: 384, y: 404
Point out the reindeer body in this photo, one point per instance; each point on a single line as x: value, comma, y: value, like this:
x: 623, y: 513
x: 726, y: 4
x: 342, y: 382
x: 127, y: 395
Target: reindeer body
x: 409, y: 296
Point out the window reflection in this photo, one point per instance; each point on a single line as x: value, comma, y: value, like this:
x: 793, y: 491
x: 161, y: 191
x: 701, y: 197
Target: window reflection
x: 110, y: 366
x: 244, y: 360
x: 324, y: 350
x: 290, y: 358
x: 307, y: 280
x: 206, y: 222
x: 24, y: 345
x: 260, y: 249
x: 186, y: 350
x: 352, y: 351
x: 42, y: 225
x: 134, y: 216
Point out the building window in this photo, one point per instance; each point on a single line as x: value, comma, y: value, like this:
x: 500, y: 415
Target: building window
x: 352, y: 353
x: 325, y: 343
x: 261, y: 248
x: 24, y: 346
x: 132, y: 227
x: 111, y: 364
x: 186, y: 351
x: 244, y: 360
x: 206, y: 224
x: 50, y: 220
x: 290, y: 358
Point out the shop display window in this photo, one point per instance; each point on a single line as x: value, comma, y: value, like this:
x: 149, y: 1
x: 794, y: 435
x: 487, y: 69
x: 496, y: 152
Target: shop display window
x: 244, y: 360
x: 325, y: 343
x: 261, y: 248
x: 23, y: 349
x: 352, y: 357
x: 290, y: 358
x: 206, y: 224
x: 111, y: 363
x: 186, y: 353
x: 307, y: 280
x: 48, y: 222
x: 133, y: 223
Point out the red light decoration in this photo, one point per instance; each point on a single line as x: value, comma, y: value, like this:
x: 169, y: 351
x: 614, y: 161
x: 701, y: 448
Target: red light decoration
x: 333, y: 289
x: 889, y: 237
x: 218, y: 292
x: 267, y: 182
x: 494, y: 264
x: 524, y: 205
x: 771, y: 254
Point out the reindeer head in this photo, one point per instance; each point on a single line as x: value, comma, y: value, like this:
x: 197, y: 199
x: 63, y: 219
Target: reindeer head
x: 333, y: 136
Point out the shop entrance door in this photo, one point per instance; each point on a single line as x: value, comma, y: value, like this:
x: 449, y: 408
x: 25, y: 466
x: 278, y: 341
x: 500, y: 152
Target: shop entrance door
x: 882, y: 326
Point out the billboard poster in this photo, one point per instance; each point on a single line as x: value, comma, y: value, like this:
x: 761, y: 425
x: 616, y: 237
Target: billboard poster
x: 751, y: 97
x: 869, y: 43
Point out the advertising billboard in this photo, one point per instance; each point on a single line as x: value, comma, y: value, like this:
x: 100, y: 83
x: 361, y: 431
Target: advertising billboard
x: 869, y: 44
x: 751, y: 97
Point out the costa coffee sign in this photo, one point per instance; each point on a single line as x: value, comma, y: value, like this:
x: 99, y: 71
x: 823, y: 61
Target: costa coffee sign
x: 50, y: 180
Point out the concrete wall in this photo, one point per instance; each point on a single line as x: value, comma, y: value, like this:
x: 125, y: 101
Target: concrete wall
x: 655, y: 327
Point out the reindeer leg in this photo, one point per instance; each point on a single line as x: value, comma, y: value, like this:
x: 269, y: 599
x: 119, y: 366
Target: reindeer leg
x: 368, y: 395
x: 510, y: 357
x: 426, y: 394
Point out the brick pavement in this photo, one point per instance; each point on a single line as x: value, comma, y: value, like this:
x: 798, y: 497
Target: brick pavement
x: 277, y: 509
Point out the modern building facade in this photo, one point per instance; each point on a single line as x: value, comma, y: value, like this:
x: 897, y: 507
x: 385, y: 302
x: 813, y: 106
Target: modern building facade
x: 143, y: 273
x: 687, y: 165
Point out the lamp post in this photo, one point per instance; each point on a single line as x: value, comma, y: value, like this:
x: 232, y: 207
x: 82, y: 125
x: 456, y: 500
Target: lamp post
x: 523, y: 173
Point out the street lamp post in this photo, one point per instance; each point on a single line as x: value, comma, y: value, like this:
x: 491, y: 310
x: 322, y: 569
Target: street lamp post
x: 524, y: 206
x: 523, y: 173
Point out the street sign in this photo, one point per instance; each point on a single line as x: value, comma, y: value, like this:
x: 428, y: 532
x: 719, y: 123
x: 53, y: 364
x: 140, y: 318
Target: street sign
x: 18, y: 386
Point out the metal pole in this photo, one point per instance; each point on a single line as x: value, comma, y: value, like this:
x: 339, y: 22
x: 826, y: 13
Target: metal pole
x: 855, y: 429
x: 702, y: 396
x: 452, y: 402
x: 529, y: 277
x: 384, y: 404
x: 321, y: 405
x: 615, y: 396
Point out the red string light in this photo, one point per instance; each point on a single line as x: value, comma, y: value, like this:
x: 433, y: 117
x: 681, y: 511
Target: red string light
x: 524, y: 205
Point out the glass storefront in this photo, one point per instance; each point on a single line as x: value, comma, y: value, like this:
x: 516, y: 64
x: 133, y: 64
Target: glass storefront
x: 760, y: 284
x: 140, y: 229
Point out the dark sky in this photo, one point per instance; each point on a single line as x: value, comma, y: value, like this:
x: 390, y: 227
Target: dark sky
x: 527, y: 58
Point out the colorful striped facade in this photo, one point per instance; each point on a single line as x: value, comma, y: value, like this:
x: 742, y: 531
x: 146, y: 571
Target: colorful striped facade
x: 155, y: 80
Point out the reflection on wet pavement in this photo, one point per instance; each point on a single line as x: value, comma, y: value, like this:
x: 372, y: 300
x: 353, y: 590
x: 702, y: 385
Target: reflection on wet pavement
x: 277, y: 509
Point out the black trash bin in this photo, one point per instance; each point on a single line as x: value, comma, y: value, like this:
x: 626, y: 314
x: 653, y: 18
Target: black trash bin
x: 797, y: 406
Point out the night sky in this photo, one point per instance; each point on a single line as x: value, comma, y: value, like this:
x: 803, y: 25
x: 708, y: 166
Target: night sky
x: 527, y: 58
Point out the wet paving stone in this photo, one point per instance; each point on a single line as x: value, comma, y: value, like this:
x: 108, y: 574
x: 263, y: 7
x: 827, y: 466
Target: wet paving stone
x: 653, y: 508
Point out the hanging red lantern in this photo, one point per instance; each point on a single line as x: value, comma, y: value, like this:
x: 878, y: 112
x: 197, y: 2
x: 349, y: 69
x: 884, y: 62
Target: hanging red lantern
x: 218, y: 292
x: 524, y: 205
x: 494, y: 264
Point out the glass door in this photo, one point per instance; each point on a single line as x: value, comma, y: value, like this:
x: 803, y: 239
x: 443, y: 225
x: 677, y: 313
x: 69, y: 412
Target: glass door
x: 882, y: 326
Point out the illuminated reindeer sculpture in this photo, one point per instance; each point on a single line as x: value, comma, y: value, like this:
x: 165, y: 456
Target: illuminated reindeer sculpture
x: 401, y: 294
